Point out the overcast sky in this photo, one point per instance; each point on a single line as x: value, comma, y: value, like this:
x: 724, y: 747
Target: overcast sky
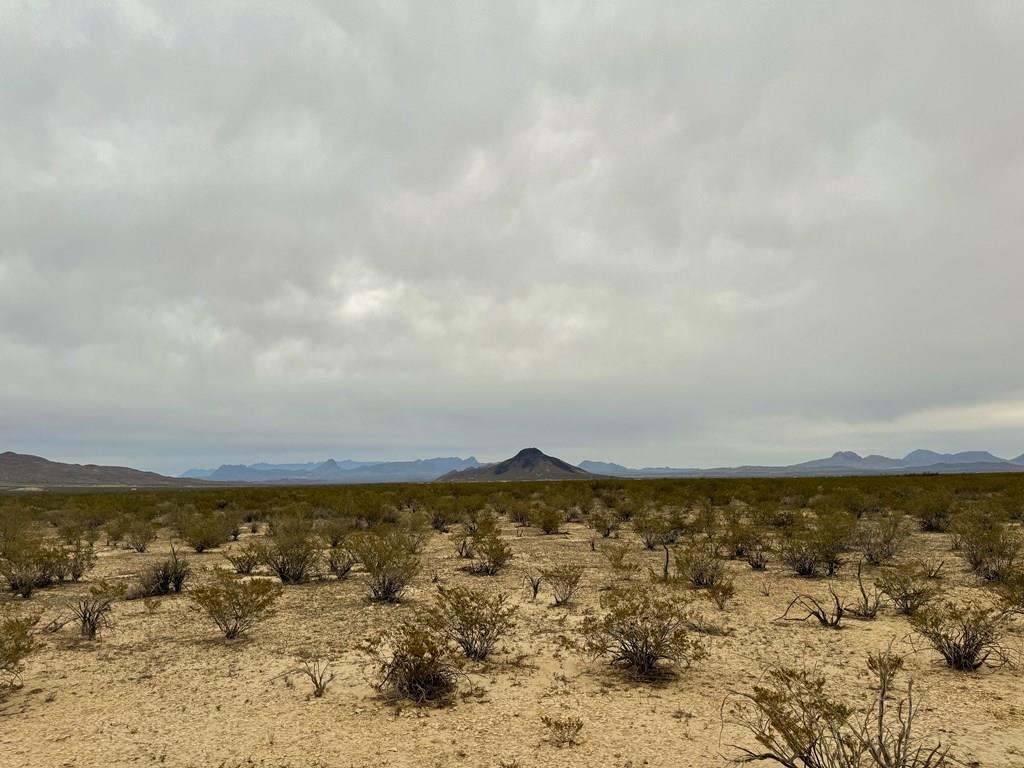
x: 641, y: 232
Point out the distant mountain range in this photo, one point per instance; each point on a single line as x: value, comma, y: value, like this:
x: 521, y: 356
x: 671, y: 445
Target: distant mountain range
x: 839, y: 463
x: 21, y: 470
x: 331, y: 471
x: 528, y: 464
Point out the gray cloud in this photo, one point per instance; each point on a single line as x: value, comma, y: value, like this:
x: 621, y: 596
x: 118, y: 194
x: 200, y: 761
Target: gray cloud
x: 639, y: 231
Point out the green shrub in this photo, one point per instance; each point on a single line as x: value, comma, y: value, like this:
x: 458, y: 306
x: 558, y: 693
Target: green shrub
x: 642, y: 631
x: 472, y: 619
x: 492, y: 554
x: 547, y: 518
x: 340, y: 561
x: 139, y: 534
x: 907, y: 587
x: 564, y: 581
x: 163, y: 578
x: 16, y: 644
x: 292, y: 553
x: 988, y: 543
x: 388, y: 562
x: 413, y: 662
x: 203, y: 531
x: 965, y: 636
x: 699, y: 566
x: 236, y: 606
x: 880, y: 537
x: 246, y: 558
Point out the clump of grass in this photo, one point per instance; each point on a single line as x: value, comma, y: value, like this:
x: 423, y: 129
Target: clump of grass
x: 563, y: 731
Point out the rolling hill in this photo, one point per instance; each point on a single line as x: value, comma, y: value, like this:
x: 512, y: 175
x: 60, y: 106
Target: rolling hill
x: 21, y: 470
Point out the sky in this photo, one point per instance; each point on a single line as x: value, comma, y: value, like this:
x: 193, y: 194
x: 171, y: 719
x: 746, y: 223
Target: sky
x: 694, y: 234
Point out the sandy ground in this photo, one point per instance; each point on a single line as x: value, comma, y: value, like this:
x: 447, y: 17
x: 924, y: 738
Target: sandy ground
x: 162, y: 687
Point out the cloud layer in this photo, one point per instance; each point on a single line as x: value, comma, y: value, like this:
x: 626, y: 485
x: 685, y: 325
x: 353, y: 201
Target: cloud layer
x: 627, y: 231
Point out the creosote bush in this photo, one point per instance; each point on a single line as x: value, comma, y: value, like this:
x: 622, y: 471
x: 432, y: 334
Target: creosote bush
x: 293, y: 552
x: 236, y: 606
x: 388, y: 562
x: 564, y: 580
x: 16, y: 644
x: 908, y: 588
x: 797, y: 723
x: 413, y: 662
x: 246, y: 558
x: 164, y: 577
x: 881, y: 537
x: 472, y: 619
x: 966, y: 636
x: 643, y: 631
x: 492, y: 554
x: 699, y: 566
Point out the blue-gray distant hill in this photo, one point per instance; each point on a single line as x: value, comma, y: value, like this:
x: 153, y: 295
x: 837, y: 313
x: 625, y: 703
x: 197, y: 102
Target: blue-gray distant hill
x: 332, y: 472
x: 838, y: 464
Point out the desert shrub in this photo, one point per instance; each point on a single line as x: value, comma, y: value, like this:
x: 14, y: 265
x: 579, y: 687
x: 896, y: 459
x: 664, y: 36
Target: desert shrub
x: 340, y: 562
x: 604, y: 522
x: 699, y: 566
x: 165, y: 577
x: 413, y: 662
x: 492, y: 554
x: 334, y: 530
x: 547, y: 518
x: 562, y: 731
x: 1010, y: 591
x: 388, y: 562
x: 27, y: 564
x: 246, y: 558
x: 757, y: 556
x: 798, y: 552
x: 721, y: 592
x: 319, y: 673
x: 965, y: 636
x: 642, y: 631
x: 653, y: 528
x: 203, y: 531
x: 92, y: 612
x: 619, y: 560
x: 868, y: 603
x: 813, y: 547
x: 293, y: 552
x: 80, y: 560
x: 798, y: 724
x: 534, y: 579
x: 564, y: 580
x: 115, y: 529
x: 236, y: 606
x: 932, y: 510
x: 472, y: 619
x: 829, y: 613
x: 988, y: 543
x: 16, y: 644
x: 880, y: 537
x: 139, y: 534
x: 907, y: 587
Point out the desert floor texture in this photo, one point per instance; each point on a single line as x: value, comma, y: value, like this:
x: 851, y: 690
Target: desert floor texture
x: 163, y: 688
